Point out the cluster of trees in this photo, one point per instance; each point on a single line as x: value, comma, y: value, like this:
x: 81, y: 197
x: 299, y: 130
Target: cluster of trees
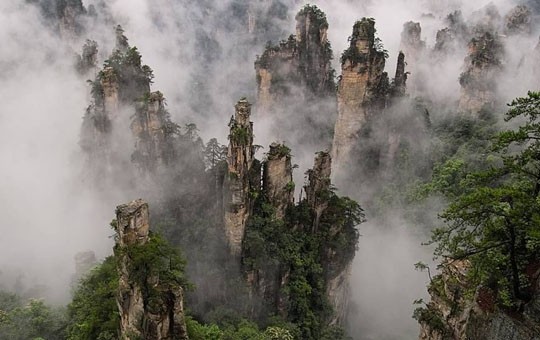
x: 493, y: 220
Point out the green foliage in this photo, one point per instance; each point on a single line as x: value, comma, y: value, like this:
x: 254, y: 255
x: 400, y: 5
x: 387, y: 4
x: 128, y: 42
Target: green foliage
x: 31, y: 320
x: 364, y: 29
x: 494, y: 222
x: 93, y: 313
x: 158, y: 260
x: 240, y: 135
x: 293, y: 245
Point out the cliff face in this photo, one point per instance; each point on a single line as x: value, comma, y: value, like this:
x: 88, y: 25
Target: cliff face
x: 295, y: 84
x: 302, y: 61
x: 240, y: 157
x: 122, y: 100
x: 479, y: 80
x: 453, y: 315
x: 361, y: 90
x: 152, y: 317
x: 413, y: 49
x: 278, y: 182
x: 153, y: 133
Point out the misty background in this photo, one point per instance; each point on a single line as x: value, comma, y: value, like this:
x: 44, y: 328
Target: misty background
x: 203, y: 63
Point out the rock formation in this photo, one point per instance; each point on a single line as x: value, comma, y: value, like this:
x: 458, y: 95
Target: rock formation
x: 452, y: 315
x: 318, y: 186
x: 479, y: 80
x: 451, y: 38
x: 87, y: 61
x: 240, y: 157
x: 302, y: 61
x: 361, y: 90
x: 143, y: 315
x: 121, y: 93
x: 413, y: 49
x: 153, y: 133
x: 278, y: 182
x: 518, y: 21
x: 295, y: 84
x: 69, y: 18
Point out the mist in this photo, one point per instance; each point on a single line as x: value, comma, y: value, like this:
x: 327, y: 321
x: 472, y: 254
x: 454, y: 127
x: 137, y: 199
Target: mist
x: 49, y: 213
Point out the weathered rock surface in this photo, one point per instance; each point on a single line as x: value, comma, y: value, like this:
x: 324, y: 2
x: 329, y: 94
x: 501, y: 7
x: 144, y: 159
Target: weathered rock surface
x: 450, y: 315
x: 278, y: 182
x: 302, y: 61
x: 479, y: 80
x: 240, y: 157
x: 361, y: 90
x: 159, y: 319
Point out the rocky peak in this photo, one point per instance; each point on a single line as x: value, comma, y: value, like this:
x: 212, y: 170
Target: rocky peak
x: 302, y: 60
x: 411, y: 40
x: 158, y: 317
x: 518, y: 21
x: 153, y: 131
x: 362, y: 90
x: 318, y: 185
x: 399, y: 86
x: 122, y: 44
x: 87, y: 61
x: 453, y: 36
x: 314, y: 49
x: 69, y: 18
x: 240, y: 157
x: 278, y: 182
x: 478, y: 81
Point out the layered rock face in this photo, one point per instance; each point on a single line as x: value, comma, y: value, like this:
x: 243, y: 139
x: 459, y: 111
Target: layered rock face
x: 361, y: 90
x: 479, y: 80
x: 160, y: 318
x: 240, y: 157
x: 451, y: 315
x: 278, y: 182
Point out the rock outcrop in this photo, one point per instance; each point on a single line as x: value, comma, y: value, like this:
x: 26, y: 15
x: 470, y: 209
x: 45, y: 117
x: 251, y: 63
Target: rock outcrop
x: 87, y: 61
x: 240, y: 159
x: 479, y: 80
x: 302, y: 62
x: 157, y: 317
x: 452, y: 315
x: 278, y: 182
x: 154, y: 133
x: 451, y: 38
x: 518, y: 21
x: 361, y: 91
x: 413, y: 48
x: 69, y: 18
x: 122, y: 99
x: 318, y: 186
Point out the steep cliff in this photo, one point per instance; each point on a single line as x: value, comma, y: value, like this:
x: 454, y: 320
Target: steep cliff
x: 240, y: 159
x: 121, y: 99
x: 295, y: 84
x: 361, y: 91
x: 459, y: 311
x: 278, y: 182
x: 302, y: 61
x: 413, y: 48
x: 150, y: 300
x: 311, y: 245
x: 479, y: 80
